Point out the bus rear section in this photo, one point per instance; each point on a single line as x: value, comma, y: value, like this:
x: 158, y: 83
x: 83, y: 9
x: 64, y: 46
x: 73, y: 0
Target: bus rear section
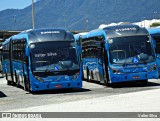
x: 48, y: 59
x: 119, y: 54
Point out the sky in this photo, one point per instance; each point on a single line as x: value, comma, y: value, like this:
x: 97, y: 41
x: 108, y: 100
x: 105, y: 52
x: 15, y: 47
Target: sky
x: 16, y: 4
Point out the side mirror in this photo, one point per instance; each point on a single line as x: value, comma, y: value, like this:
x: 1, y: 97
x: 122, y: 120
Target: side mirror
x: 27, y: 51
x: 106, y: 46
x: 80, y: 49
x: 158, y: 56
x: 80, y: 41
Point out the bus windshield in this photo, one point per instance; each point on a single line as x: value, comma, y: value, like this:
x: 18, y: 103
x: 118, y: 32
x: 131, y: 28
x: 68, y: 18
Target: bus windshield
x: 53, y: 56
x: 131, y: 50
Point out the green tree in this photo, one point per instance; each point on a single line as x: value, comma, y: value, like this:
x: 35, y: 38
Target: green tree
x: 155, y: 24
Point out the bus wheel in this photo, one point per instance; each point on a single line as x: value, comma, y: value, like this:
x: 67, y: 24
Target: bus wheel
x: 9, y: 82
x: 105, y: 82
x: 88, y: 75
x: 6, y: 76
x: 105, y: 78
x: 17, y: 80
x: 27, y: 84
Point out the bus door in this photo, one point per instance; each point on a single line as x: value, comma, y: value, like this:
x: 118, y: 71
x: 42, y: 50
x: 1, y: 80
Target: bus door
x: 92, y: 59
x: 100, y: 53
x: 157, y: 42
x: 98, y: 72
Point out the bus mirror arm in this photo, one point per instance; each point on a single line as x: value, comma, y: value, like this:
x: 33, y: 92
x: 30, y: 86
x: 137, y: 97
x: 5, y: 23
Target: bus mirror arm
x: 107, y: 47
x: 80, y: 49
x: 27, y: 51
x: 80, y: 58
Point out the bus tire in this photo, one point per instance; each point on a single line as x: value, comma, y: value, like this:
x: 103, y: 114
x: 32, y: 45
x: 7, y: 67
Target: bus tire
x: 6, y: 76
x: 17, y: 80
x: 27, y: 84
x: 9, y: 82
x: 105, y: 79
x: 88, y: 75
x: 105, y: 82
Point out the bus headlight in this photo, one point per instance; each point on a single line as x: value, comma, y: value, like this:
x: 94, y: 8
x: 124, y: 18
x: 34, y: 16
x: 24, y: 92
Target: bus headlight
x: 116, y: 71
x: 39, y: 78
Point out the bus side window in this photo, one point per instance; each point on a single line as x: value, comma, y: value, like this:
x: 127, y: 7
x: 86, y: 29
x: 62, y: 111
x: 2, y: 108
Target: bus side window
x: 5, y: 52
x: 24, y: 58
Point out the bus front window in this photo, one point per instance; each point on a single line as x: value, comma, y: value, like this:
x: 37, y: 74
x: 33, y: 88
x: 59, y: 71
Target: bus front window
x: 124, y: 50
x: 53, y: 56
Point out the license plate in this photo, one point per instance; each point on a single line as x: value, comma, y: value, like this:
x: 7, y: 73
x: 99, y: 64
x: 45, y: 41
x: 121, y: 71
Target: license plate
x: 135, y: 77
x: 58, y: 86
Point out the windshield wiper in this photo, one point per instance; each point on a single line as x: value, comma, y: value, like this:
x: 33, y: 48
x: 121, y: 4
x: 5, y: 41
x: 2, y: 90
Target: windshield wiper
x: 49, y: 70
x: 41, y: 62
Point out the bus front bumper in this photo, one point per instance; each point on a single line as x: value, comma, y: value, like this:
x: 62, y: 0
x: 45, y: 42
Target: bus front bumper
x: 133, y: 76
x: 56, y: 85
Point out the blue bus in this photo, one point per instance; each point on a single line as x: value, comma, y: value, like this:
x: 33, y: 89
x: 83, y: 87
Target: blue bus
x: 42, y: 59
x: 155, y: 34
x: 118, y: 54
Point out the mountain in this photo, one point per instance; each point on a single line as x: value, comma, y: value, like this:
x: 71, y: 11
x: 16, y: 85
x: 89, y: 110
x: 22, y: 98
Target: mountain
x: 78, y: 14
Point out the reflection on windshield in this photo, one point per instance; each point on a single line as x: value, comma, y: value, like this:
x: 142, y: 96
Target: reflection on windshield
x: 53, y: 56
x: 137, y: 49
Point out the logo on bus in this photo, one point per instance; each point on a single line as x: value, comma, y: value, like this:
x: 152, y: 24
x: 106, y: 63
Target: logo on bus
x: 135, y: 60
x: 125, y: 29
x: 42, y: 55
x: 50, y: 32
x: 56, y: 68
